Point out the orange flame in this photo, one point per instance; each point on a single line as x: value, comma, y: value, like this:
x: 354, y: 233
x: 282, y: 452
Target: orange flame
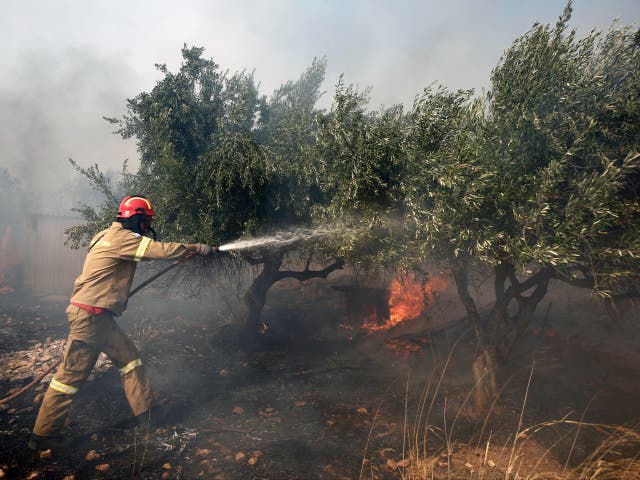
x: 408, y: 300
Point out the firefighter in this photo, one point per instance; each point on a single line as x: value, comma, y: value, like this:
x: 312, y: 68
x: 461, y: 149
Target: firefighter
x: 100, y: 293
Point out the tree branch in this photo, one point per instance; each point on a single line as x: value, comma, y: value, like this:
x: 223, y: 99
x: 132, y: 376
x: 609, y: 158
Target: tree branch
x: 460, y: 275
x: 519, y: 287
x: 513, y: 278
x: 251, y: 260
x: 501, y: 271
x: 586, y: 281
x: 306, y: 274
x: 517, y: 324
x: 578, y: 282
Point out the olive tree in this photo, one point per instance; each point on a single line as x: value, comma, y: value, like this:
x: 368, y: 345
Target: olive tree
x: 220, y: 162
x: 361, y: 169
x: 537, y: 181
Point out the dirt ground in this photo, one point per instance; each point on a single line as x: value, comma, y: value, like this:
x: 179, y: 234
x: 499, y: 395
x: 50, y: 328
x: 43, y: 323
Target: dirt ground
x: 324, y: 402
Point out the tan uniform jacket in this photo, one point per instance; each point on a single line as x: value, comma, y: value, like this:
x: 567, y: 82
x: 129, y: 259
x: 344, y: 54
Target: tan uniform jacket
x: 110, y: 265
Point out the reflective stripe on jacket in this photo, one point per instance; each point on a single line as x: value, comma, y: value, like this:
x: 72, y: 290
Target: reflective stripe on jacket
x: 110, y: 265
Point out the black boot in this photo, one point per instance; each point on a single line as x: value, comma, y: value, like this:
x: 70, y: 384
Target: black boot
x: 156, y: 417
x: 57, y: 442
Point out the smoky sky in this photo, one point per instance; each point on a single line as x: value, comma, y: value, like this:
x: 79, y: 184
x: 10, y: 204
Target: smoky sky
x: 66, y: 64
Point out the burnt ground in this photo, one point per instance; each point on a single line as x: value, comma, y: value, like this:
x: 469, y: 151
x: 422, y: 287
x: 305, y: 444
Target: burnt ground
x: 325, y: 402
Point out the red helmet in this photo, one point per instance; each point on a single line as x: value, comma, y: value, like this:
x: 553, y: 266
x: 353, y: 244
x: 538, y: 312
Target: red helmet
x: 135, y: 205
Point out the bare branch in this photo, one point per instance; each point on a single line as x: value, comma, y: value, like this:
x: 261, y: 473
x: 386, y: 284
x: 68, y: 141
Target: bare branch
x: 306, y: 274
x: 251, y: 260
x: 519, y: 287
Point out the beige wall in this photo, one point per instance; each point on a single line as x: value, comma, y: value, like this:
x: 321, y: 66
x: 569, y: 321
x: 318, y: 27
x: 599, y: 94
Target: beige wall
x: 49, y: 266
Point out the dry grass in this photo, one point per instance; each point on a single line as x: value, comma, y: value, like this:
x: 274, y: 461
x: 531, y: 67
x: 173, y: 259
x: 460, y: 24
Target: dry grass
x: 547, y: 450
x: 524, y: 455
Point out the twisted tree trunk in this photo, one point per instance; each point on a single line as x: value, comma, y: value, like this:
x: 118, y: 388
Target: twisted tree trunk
x: 499, y: 331
x: 255, y: 297
x: 253, y: 328
x: 484, y: 365
x: 485, y: 375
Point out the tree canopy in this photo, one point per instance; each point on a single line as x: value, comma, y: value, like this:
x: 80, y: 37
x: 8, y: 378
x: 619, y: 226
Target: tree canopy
x: 539, y: 182
x: 539, y: 179
x: 219, y: 159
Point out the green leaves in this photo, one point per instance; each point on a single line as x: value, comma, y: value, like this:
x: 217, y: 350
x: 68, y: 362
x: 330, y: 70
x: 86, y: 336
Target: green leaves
x: 218, y: 159
x: 360, y: 153
x: 100, y: 218
x: 543, y: 170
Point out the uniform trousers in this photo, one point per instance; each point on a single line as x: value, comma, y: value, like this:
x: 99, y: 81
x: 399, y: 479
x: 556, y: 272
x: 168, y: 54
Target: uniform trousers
x: 89, y: 335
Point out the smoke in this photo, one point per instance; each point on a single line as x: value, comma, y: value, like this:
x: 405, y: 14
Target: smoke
x: 51, y: 109
x: 65, y: 67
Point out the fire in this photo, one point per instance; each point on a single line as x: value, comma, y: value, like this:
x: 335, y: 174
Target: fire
x: 408, y: 299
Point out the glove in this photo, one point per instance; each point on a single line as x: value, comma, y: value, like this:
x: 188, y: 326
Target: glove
x: 203, y: 249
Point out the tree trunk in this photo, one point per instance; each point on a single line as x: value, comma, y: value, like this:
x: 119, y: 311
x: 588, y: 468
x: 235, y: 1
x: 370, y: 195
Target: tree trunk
x: 497, y: 333
x: 254, y: 299
x: 253, y: 329
x: 485, y: 377
x: 484, y: 366
x: 514, y: 330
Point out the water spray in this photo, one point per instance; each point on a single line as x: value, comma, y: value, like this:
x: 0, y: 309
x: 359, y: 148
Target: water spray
x: 285, y: 237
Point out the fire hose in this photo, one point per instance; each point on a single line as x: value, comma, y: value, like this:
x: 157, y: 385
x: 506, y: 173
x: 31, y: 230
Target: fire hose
x: 39, y: 378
